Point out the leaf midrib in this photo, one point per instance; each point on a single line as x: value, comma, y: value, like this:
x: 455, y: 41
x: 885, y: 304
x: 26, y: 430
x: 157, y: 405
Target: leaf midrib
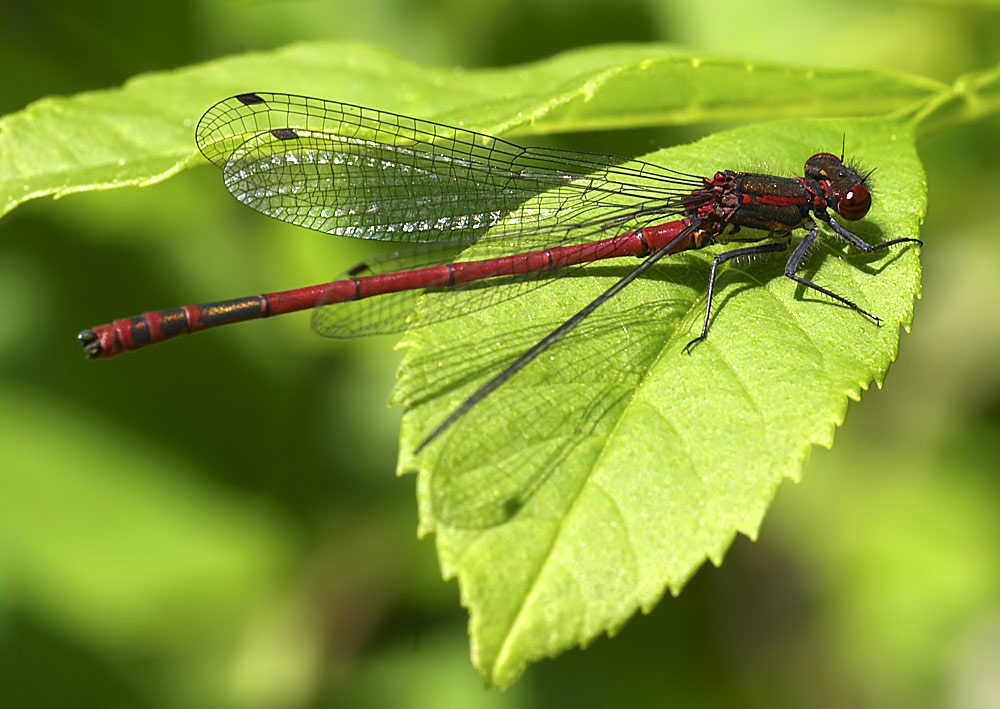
x: 509, y: 635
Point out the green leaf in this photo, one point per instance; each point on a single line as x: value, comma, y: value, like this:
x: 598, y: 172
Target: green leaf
x: 627, y: 464
x: 607, y: 471
x: 143, y: 132
x: 970, y: 97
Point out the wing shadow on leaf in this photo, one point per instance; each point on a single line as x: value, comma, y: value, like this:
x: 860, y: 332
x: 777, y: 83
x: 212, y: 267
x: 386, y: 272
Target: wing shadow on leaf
x: 464, y: 361
x: 547, y: 425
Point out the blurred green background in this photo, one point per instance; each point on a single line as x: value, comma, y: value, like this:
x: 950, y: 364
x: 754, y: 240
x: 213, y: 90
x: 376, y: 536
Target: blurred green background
x: 216, y: 523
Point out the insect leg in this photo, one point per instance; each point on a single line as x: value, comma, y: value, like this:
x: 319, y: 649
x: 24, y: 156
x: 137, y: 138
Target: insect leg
x: 793, y: 264
x: 768, y: 248
x: 860, y: 243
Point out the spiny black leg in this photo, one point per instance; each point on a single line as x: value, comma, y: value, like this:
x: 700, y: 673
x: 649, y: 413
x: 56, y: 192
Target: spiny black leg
x: 860, y: 243
x: 721, y: 259
x: 793, y: 264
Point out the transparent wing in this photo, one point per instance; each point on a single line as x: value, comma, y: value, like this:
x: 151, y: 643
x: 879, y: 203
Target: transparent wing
x: 360, y: 172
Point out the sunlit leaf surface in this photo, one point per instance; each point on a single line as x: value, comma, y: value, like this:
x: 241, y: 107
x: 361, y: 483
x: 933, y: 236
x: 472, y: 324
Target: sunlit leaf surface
x: 609, y: 470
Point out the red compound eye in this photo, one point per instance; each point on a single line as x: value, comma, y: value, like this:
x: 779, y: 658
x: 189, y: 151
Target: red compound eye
x: 855, y: 203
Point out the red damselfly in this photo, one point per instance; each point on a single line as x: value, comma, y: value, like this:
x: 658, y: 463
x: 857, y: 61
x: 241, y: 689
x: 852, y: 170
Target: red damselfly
x: 359, y: 172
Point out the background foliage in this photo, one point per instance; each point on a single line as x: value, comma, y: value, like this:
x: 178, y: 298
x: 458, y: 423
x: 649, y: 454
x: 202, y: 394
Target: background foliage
x: 157, y: 550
